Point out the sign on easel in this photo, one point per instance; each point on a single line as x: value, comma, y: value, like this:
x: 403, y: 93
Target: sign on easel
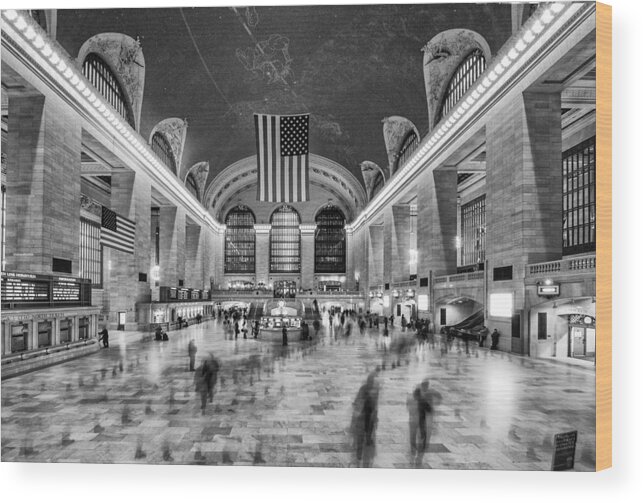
x: 564, y: 451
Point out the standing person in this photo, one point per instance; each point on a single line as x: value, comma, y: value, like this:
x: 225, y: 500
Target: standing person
x: 390, y: 319
x: 403, y: 323
x: 236, y: 329
x: 244, y: 327
x: 255, y: 330
x: 104, y: 336
x: 284, y: 336
x: 158, y: 334
x: 192, y: 354
x: 495, y: 338
x: 305, y: 331
x: 210, y: 371
x: 484, y: 332
x: 316, y: 326
x: 364, y: 422
x: 426, y: 399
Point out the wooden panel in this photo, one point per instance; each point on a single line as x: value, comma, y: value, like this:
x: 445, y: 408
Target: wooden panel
x: 604, y: 234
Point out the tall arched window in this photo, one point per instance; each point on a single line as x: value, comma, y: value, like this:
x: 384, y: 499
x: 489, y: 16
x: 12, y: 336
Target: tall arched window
x: 240, y: 241
x: 463, y: 78
x: 162, y: 149
x: 191, y: 185
x: 330, y: 241
x: 284, y: 241
x: 102, y: 78
x: 409, y: 145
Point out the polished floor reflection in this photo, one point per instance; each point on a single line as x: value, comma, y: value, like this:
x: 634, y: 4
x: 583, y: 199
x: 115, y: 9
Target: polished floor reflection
x: 136, y: 403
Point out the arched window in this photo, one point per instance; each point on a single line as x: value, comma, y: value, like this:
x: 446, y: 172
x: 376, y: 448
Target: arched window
x: 330, y: 241
x: 162, y: 149
x: 240, y: 241
x: 463, y: 78
x: 284, y: 241
x: 191, y: 185
x: 102, y: 78
x: 409, y: 145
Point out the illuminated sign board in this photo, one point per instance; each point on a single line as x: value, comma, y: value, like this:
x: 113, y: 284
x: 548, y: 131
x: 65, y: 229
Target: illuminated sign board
x: 501, y: 305
x: 547, y: 290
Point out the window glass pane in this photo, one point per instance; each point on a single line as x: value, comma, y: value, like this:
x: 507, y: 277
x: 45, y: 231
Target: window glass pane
x: 240, y: 241
x: 578, y: 170
x: 473, y: 232
x: 330, y: 241
x: 284, y: 241
x: 101, y: 77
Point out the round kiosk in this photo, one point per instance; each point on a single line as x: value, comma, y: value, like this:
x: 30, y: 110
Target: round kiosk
x: 278, y: 314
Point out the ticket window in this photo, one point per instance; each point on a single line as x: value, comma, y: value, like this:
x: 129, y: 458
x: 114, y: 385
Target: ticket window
x: 19, y: 337
x: 83, y: 329
x: 66, y: 329
x: 44, y: 334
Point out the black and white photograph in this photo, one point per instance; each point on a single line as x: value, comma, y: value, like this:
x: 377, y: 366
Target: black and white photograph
x: 330, y: 236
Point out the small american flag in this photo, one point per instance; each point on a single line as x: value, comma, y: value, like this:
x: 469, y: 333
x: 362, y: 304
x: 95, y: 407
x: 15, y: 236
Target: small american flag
x: 116, y: 231
x: 282, y: 157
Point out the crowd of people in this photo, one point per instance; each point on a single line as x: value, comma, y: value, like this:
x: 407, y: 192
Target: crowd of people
x: 398, y: 338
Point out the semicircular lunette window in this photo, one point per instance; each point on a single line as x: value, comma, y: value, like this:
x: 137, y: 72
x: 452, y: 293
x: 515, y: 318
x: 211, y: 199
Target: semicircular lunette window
x: 285, y: 243
x: 162, y: 149
x: 103, y: 79
x: 463, y: 78
x: 330, y: 241
x: 240, y: 241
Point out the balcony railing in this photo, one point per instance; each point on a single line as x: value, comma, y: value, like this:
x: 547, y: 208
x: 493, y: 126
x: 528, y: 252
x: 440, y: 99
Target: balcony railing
x: 454, y: 278
x: 580, y: 264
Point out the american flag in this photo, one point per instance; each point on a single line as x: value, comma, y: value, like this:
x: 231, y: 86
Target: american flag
x: 116, y: 231
x: 282, y: 157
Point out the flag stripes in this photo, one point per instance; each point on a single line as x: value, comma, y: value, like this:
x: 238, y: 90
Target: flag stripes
x: 116, y: 231
x: 282, y: 158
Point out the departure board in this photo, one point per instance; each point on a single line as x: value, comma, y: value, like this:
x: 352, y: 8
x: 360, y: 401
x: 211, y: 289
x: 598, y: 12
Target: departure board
x: 65, y: 290
x: 23, y: 287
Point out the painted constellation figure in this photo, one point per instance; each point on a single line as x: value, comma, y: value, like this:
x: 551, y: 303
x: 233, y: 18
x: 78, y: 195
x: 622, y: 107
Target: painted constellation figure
x: 269, y: 59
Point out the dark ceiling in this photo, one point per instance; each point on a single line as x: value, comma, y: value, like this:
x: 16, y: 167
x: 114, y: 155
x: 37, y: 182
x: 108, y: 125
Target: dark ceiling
x: 350, y: 67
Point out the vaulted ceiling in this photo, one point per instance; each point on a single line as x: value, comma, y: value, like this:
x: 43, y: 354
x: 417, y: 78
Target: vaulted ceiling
x: 348, y: 66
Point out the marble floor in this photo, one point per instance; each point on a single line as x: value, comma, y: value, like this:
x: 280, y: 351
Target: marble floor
x: 135, y: 403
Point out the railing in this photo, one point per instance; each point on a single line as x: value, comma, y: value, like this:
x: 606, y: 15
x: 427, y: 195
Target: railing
x: 586, y: 263
x: 454, y: 278
x: 404, y: 284
x: 34, y: 353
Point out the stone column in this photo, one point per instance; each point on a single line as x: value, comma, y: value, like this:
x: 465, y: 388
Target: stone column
x: 350, y: 257
x: 172, y: 224
x: 375, y: 255
x: 210, y: 257
x: 437, y: 222
x: 43, y: 184
x: 523, y: 204
x: 193, y: 256
x: 307, y: 256
x: 262, y: 253
x: 131, y: 198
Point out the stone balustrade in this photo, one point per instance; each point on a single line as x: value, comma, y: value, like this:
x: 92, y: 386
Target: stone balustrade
x: 555, y: 267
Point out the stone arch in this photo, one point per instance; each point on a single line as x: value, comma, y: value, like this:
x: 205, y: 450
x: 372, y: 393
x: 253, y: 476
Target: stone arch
x: 396, y: 129
x: 443, y: 54
x: 372, y: 175
x: 239, y: 177
x: 124, y: 57
x: 174, y: 131
x: 200, y: 172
